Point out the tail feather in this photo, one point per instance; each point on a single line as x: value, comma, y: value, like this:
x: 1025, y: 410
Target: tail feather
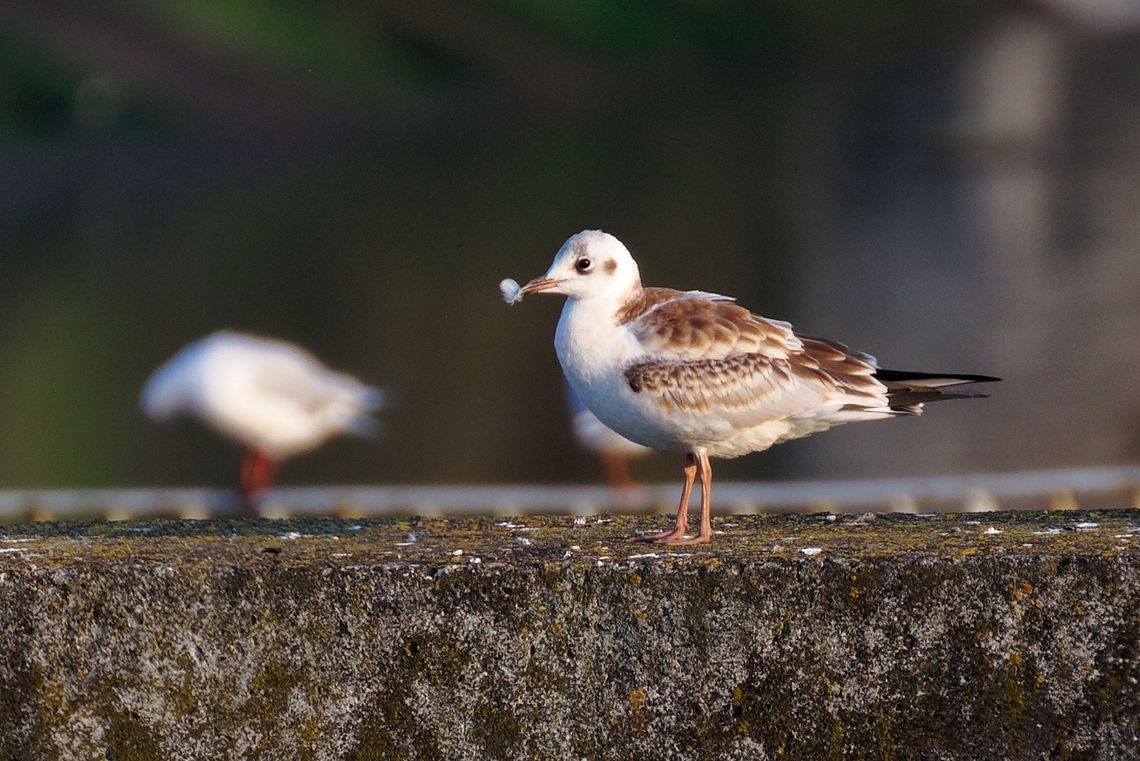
x: 908, y: 391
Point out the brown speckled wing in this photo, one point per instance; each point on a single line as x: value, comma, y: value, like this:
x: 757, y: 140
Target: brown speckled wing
x: 694, y: 325
x: 646, y: 299
x: 712, y: 357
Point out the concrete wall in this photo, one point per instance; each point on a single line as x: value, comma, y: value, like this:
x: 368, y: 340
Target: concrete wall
x: 901, y: 638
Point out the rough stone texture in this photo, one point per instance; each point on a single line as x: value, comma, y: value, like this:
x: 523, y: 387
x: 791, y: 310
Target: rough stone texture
x: 904, y: 637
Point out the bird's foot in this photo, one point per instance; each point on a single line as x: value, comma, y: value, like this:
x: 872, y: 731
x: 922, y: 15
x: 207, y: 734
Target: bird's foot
x: 683, y: 541
x: 664, y: 537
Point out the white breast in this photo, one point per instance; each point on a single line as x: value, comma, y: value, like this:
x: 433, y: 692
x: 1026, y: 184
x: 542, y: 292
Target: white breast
x: 594, y: 352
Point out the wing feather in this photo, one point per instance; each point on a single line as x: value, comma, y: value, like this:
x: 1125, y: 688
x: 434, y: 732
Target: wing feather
x: 680, y: 325
x: 714, y: 358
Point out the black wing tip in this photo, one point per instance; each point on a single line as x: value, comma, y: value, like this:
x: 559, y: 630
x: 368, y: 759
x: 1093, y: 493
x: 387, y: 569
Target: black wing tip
x: 910, y: 402
x: 905, y: 375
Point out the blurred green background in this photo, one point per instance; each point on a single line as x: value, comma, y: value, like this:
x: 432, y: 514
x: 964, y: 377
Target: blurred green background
x: 952, y: 186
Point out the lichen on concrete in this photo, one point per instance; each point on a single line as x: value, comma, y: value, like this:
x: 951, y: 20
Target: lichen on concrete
x: 1009, y: 635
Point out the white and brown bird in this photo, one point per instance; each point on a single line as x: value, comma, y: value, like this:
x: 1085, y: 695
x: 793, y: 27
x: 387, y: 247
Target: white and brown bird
x: 694, y: 372
x: 271, y: 396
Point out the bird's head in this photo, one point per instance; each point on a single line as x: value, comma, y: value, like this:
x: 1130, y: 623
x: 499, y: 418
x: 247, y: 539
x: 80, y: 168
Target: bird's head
x: 590, y: 265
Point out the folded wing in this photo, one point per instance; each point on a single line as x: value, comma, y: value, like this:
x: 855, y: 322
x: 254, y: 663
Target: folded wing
x: 711, y: 357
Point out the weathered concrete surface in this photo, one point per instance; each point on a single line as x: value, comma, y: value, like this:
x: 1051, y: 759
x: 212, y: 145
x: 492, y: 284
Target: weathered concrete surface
x: 905, y: 637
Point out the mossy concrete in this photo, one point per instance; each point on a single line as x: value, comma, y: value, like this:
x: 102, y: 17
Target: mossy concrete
x: 997, y: 636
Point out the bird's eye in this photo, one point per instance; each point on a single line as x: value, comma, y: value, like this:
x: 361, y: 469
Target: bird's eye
x: 583, y: 265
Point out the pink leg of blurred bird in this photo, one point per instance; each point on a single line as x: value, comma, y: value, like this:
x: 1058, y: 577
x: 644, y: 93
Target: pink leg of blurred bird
x: 682, y: 525
x: 616, y: 467
x: 704, y: 536
x: 258, y: 473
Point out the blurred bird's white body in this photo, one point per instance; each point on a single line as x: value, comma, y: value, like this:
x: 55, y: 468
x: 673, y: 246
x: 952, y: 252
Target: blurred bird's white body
x: 597, y: 437
x: 269, y: 395
x: 612, y: 449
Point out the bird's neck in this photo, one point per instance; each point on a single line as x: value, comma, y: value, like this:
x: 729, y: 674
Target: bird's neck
x: 590, y: 335
x: 602, y: 311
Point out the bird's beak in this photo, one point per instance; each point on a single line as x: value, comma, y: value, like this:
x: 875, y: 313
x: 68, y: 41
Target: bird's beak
x: 541, y: 285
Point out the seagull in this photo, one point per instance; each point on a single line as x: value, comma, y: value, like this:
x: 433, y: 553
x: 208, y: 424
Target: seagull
x: 693, y: 372
x: 613, y: 449
x: 271, y: 396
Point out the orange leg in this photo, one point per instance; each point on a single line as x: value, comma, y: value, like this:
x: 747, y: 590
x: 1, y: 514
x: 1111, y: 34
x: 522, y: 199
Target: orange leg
x: 704, y: 536
x: 678, y: 532
x: 258, y: 473
x: 616, y: 467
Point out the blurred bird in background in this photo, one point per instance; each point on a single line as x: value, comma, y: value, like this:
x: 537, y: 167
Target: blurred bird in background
x: 273, y: 397
x: 613, y: 450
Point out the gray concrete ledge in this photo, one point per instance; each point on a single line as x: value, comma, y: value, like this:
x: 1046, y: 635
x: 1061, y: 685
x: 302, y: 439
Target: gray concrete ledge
x: 1003, y: 636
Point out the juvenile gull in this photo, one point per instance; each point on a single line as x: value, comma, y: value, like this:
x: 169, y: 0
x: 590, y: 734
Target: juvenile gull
x: 691, y: 371
x: 271, y: 396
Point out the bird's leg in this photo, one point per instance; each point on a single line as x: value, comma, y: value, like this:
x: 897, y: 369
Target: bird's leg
x: 270, y: 469
x: 616, y: 467
x: 258, y: 473
x: 704, y: 536
x: 248, y: 459
x: 678, y: 532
